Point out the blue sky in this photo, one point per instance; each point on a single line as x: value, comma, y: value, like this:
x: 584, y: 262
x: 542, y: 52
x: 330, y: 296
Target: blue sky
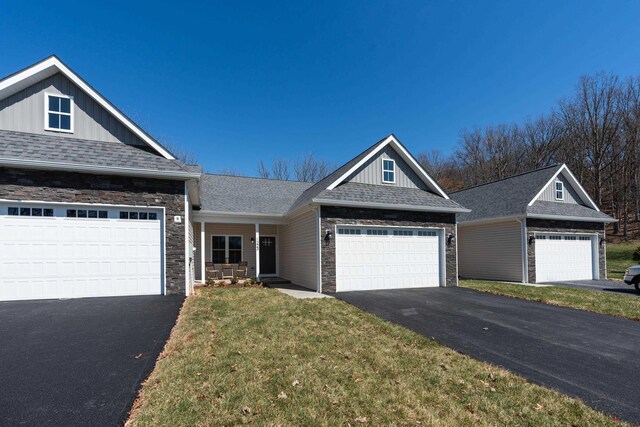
x: 237, y: 82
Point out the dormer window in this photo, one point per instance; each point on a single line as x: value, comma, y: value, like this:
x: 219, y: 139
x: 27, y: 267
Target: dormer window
x: 388, y: 171
x: 58, y: 113
x: 559, y: 190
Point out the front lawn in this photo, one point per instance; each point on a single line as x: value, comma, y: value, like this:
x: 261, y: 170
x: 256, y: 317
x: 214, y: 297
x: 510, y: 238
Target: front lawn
x: 239, y: 356
x: 620, y: 257
x: 582, y: 299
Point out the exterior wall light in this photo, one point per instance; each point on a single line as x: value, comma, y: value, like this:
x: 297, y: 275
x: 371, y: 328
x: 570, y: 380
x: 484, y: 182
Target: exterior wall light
x: 328, y: 237
x: 451, y: 238
x: 532, y: 239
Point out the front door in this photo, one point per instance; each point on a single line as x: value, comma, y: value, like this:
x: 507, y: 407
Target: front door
x: 267, y: 255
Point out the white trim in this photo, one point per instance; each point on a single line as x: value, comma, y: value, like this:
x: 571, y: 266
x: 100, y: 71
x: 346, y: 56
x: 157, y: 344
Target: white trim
x: 561, y: 190
x: 571, y: 218
x: 457, y: 268
x: 257, y: 248
x: 239, y: 218
x: 203, y: 248
x: 524, y: 248
x: 49, y: 67
x: 319, y: 249
x: 595, y: 248
x: 393, y: 171
x: 47, y: 111
x: 187, y: 258
x: 391, y: 140
x: 491, y: 220
x: 574, y: 183
x: 399, y: 207
x: 93, y: 169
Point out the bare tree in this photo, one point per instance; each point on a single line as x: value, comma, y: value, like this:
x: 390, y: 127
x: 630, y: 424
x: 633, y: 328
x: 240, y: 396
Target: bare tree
x: 280, y: 169
x: 263, y: 172
x: 310, y: 169
x: 228, y: 171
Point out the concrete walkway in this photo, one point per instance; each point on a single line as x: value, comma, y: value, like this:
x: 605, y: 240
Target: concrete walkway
x: 297, y: 291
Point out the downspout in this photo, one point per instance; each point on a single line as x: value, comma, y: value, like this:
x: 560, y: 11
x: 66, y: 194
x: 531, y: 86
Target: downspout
x: 319, y: 249
x: 187, y: 258
x: 525, y: 256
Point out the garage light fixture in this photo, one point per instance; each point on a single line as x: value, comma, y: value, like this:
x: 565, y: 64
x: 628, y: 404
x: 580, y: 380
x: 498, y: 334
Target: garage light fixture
x: 451, y: 238
x: 601, y: 241
x: 532, y: 239
x: 328, y: 237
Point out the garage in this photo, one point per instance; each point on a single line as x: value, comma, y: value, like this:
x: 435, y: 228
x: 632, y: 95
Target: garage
x: 72, y: 251
x: 569, y: 256
x: 388, y: 258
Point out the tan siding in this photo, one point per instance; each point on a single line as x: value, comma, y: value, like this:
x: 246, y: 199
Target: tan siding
x: 570, y: 195
x: 490, y: 251
x: 371, y: 172
x: 24, y: 112
x: 247, y: 231
x: 299, y: 250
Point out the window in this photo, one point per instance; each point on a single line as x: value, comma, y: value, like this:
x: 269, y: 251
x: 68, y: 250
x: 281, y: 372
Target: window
x: 13, y: 211
x: 559, y: 190
x: 226, y: 249
x: 134, y: 215
x: 377, y: 232
x: 584, y: 238
x: 349, y: 231
x: 47, y: 212
x: 388, y: 171
x: 82, y: 213
x: 25, y: 211
x: 425, y: 233
x: 403, y: 232
x: 36, y: 212
x: 58, y: 113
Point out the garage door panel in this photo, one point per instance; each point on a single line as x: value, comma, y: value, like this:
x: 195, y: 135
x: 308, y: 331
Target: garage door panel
x: 373, y: 261
x: 562, y: 257
x: 58, y: 257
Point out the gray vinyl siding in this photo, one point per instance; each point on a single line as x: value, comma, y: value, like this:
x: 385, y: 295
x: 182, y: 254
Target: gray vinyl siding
x: 371, y: 171
x: 299, y: 250
x: 490, y: 251
x: 247, y: 231
x: 570, y: 195
x: 24, y: 112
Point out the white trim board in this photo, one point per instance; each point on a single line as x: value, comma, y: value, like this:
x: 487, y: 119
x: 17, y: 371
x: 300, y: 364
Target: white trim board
x: 52, y: 65
x: 579, y: 189
x: 408, y: 158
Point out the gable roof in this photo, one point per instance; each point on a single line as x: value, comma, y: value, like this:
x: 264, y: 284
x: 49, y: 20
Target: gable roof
x: 22, y: 79
x: 517, y: 196
x: 35, y: 151
x: 333, y: 188
x: 224, y: 194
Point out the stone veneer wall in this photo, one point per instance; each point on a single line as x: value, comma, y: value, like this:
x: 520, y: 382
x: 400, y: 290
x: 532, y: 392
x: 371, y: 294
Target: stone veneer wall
x: 544, y: 225
x: 70, y: 187
x: 332, y: 216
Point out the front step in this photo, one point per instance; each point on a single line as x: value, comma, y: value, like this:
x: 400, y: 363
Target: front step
x: 269, y: 281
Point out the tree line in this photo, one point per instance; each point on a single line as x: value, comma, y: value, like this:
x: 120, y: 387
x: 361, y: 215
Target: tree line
x: 595, y: 132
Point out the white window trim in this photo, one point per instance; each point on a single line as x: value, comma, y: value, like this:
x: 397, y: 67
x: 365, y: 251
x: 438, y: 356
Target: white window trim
x: 386, y: 170
x: 46, y: 112
x: 555, y: 189
x: 226, y: 246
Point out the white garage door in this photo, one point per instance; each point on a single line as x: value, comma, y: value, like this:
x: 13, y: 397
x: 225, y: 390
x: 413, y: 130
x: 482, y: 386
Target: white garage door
x: 564, y: 257
x: 387, y: 258
x: 71, y: 252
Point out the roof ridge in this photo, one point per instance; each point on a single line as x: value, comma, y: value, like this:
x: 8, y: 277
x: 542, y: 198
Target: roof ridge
x: 258, y: 178
x: 506, y: 178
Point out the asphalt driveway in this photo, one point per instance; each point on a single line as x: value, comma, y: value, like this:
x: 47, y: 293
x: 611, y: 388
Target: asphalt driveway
x: 80, y: 361
x: 586, y: 355
x: 600, y: 285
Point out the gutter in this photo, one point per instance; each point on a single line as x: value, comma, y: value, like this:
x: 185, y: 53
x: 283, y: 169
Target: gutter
x: 571, y: 218
x: 401, y: 207
x: 96, y: 170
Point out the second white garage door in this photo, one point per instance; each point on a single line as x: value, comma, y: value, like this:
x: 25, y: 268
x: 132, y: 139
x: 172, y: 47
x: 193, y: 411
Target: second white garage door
x: 387, y: 258
x: 562, y: 257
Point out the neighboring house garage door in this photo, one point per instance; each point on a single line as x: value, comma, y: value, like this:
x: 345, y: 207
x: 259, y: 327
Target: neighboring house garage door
x: 79, y: 251
x: 386, y: 258
x: 564, y: 257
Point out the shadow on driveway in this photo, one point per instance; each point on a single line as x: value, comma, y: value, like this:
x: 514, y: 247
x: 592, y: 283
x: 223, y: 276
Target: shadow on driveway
x: 600, y: 285
x: 79, y: 361
x: 586, y: 355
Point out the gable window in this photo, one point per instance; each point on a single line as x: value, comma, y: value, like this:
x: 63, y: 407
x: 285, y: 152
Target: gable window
x: 58, y: 113
x: 226, y: 249
x: 559, y: 190
x: 388, y: 171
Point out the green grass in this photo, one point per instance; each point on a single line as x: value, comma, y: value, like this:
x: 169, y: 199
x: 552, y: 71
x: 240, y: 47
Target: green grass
x: 236, y: 353
x: 620, y: 257
x: 582, y: 299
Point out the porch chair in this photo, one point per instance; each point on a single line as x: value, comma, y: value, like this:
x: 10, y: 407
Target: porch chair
x: 227, y: 271
x: 210, y: 271
x: 243, y: 270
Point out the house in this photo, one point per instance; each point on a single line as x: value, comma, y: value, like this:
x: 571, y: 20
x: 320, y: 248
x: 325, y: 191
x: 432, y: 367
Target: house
x: 539, y: 226
x: 92, y: 205
x: 379, y: 221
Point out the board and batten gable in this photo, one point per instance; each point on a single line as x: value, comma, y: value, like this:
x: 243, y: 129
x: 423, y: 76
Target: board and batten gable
x: 24, y: 112
x: 490, y: 251
x: 299, y: 250
x: 371, y: 171
x: 570, y: 195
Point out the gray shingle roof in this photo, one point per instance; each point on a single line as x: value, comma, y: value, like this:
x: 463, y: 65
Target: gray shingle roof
x: 62, y: 149
x: 566, y: 209
x: 510, y: 197
x: 391, y: 195
x: 238, y: 194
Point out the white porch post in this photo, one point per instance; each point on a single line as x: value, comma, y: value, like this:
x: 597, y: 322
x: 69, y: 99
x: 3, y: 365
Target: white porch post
x: 202, y: 257
x: 257, y: 251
